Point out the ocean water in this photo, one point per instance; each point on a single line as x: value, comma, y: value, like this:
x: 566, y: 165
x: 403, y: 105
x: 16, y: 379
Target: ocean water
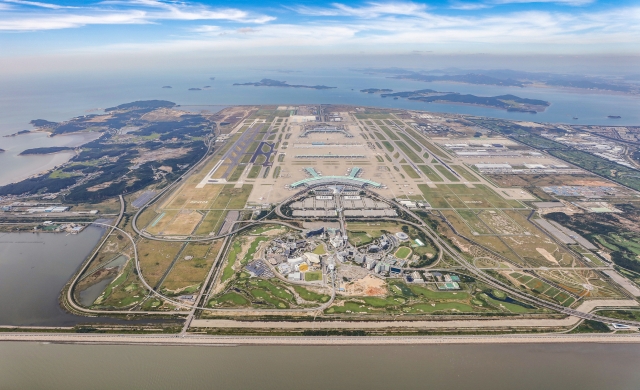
x: 60, y: 98
x: 477, y: 367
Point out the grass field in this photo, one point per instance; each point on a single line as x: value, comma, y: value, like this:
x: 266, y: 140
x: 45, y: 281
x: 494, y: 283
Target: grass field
x: 431, y: 174
x: 446, y: 173
x: 411, y: 172
x: 411, y: 143
x: 155, y: 257
x: 409, y: 152
x: 403, y: 252
x: 191, y: 273
x: 254, y: 171
x: 392, y: 135
x: 312, y: 276
x: 462, y: 171
x: 212, y: 222
x: 432, y: 148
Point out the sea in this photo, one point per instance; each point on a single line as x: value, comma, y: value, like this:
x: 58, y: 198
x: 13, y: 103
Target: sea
x: 34, y: 267
x: 448, y: 367
x: 59, y: 98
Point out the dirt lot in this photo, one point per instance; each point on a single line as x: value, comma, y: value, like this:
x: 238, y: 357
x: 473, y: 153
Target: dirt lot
x: 367, y: 286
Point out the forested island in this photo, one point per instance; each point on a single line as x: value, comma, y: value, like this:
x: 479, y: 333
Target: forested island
x: 276, y: 83
x: 505, y: 102
x: 376, y: 90
x: 46, y: 150
x: 471, y: 78
x: 162, y: 148
x: 509, y: 78
x: 18, y: 133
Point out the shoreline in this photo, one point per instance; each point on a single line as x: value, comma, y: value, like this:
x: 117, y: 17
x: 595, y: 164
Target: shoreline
x: 202, y: 340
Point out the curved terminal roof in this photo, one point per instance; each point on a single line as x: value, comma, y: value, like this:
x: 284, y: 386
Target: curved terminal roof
x: 354, y: 181
x: 349, y: 180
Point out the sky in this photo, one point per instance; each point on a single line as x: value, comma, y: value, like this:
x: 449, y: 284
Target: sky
x: 40, y: 35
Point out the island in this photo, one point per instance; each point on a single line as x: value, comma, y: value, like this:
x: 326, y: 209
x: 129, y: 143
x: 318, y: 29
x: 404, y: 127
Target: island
x: 376, y: 90
x: 42, y: 124
x: 46, y: 150
x: 167, y: 87
x: 614, y: 116
x: 212, y: 78
x: 276, y: 83
x: 471, y: 78
x: 505, y: 102
x: 2, y: 150
x: 18, y: 133
x: 510, y: 78
x: 195, y: 89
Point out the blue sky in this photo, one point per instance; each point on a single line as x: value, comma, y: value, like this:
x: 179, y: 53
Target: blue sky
x: 33, y: 29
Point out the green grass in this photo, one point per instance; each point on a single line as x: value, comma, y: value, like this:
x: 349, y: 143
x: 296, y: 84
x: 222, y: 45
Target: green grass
x: 431, y: 174
x: 261, y: 159
x: 310, y: 295
x: 235, y: 175
x: 409, y: 152
x: 268, y: 298
x: 403, y: 252
x: 440, y: 306
x: 312, y: 276
x: 359, y: 238
x: 432, y: 148
x: 387, y: 145
x: 446, y: 173
x: 252, y: 249
x: 464, y: 173
x: 232, y: 298
x: 390, y: 133
x: 431, y: 294
x: 380, y: 136
x: 277, y: 291
x: 408, y: 140
x: 411, y: 172
x: 276, y: 172
x: 254, y: 171
x: 228, y: 272
x: 58, y: 174
x: 319, y: 250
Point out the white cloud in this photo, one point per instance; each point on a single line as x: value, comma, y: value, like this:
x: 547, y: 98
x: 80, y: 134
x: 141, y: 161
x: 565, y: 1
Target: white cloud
x: 369, y: 10
x: 566, y: 2
x: 468, y: 6
x: 118, y: 12
x: 37, y: 4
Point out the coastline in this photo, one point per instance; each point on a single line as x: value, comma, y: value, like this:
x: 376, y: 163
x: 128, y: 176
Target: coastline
x: 38, y: 164
x: 203, y: 340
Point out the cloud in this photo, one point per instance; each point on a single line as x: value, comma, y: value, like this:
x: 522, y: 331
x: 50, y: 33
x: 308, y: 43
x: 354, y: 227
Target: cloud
x: 37, y: 4
x: 118, y: 12
x: 468, y: 6
x: 369, y: 10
